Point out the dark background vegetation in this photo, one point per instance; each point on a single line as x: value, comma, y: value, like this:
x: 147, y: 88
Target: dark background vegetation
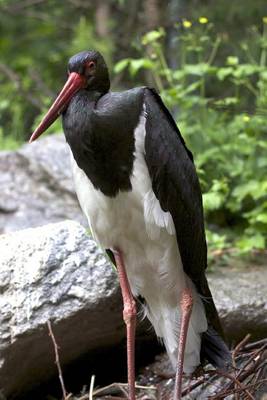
x: 208, y: 59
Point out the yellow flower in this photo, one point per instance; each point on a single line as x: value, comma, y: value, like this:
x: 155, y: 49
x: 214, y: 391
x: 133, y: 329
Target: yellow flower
x: 246, y: 118
x: 264, y: 20
x: 187, y: 24
x: 203, y: 20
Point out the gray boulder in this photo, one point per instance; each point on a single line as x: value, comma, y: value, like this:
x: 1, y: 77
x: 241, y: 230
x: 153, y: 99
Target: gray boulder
x: 241, y: 299
x: 56, y: 273
x: 36, y: 185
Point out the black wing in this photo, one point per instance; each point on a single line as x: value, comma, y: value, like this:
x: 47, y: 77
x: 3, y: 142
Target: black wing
x: 176, y: 186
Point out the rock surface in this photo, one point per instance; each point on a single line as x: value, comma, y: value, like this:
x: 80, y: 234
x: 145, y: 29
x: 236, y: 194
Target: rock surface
x: 54, y: 272
x: 241, y: 299
x: 36, y: 185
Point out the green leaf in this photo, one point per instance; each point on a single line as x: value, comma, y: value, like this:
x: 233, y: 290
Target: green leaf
x: 152, y: 36
x: 216, y: 240
x: 136, y: 65
x: 232, y: 60
x: 245, y: 70
x: 121, y: 65
x: 212, y: 201
x: 227, y: 101
x: 199, y: 69
x: 249, y: 243
x: 261, y: 218
x: 253, y: 188
x: 223, y: 73
x: 179, y: 74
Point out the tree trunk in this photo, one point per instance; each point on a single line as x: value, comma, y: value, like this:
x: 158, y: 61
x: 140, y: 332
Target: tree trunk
x: 152, y: 14
x: 102, y: 17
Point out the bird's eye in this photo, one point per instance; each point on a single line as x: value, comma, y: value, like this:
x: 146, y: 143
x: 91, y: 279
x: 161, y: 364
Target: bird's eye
x: 90, y: 64
x: 89, y: 68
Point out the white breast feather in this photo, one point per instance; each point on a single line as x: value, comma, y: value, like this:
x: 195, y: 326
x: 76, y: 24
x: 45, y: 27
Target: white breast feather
x: 155, y: 217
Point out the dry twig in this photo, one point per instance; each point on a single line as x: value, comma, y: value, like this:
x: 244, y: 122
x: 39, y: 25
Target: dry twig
x: 91, y: 389
x: 251, y: 367
x: 66, y: 396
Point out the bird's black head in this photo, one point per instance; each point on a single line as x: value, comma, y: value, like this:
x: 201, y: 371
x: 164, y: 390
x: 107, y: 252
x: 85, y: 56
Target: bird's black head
x: 87, y: 70
x: 91, y: 65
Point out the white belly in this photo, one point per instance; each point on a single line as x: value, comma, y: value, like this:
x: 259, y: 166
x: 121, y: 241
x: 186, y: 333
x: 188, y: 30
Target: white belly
x: 135, y: 223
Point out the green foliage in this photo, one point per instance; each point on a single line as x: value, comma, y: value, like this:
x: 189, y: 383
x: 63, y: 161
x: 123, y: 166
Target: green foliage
x: 8, y: 142
x: 229, y: 143
x: 85, y: 38
x: 35, y: 44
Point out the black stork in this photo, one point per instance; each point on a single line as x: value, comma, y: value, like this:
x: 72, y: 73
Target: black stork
x: 137, y: 185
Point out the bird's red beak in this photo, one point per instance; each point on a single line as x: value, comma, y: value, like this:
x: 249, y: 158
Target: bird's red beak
x: 73, y: 84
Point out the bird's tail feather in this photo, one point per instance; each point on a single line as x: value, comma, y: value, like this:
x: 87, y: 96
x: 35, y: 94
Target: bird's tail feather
x: 214, y: 349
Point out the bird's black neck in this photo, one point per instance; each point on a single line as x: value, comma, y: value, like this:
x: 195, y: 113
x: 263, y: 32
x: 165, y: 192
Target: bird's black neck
x: 91, y: 95
x: 100, y: 131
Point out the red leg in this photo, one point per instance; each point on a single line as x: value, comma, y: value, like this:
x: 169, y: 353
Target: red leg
x: 186, y: 304
x: 129, y: 316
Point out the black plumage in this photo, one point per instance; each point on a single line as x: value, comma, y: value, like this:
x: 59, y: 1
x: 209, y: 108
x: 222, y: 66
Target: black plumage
x: 176, y: 186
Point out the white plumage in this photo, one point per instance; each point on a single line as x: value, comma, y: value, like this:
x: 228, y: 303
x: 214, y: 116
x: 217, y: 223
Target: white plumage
x: 135, y: 223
